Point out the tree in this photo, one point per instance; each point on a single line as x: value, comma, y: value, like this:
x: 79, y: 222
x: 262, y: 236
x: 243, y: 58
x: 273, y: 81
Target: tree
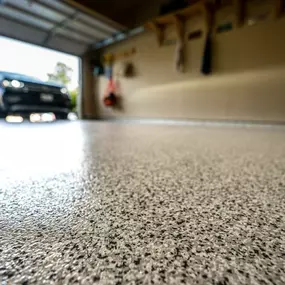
x: 62, y: 74
x: 73, y: 95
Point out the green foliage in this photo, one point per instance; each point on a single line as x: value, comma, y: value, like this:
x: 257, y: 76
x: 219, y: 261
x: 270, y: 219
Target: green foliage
x: 73, y: 95
x: 62, y: 74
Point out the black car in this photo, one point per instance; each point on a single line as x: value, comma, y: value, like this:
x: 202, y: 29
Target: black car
x: 24, y: 95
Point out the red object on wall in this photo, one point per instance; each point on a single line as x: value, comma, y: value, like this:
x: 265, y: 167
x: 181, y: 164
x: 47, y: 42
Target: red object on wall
x: 110, y: 98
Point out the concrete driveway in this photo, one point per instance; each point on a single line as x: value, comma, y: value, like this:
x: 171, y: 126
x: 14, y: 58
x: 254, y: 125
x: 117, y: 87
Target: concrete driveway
x: 122, y: 203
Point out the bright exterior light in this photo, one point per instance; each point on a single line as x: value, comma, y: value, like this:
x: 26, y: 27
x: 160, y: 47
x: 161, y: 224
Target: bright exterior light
x: 63, y: 90
x: 17, y: 84
x: 35, y: 118
x: 14, y: 119
x: 6, y: 83
x: 72, y: 117
x: 46, y: 117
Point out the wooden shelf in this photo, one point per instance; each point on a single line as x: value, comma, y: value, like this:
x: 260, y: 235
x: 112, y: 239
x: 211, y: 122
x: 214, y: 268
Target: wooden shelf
x: 183, y: 14
x: 178, y: 19
x: 207, y: 11
x: 279, y: 8
x: 239, y: 6
x: 159, y: 31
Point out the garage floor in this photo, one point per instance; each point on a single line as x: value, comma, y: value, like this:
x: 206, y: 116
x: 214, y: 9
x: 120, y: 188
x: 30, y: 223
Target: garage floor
x: 119, y: 203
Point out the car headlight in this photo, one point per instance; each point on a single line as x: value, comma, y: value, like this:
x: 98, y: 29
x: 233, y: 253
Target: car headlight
x: 17, y: 84
x: 63, y: 91
x: 14, y: 83
x: 6, y: 83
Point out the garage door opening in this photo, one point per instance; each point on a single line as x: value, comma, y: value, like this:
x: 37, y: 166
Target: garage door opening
x: 37, y: 83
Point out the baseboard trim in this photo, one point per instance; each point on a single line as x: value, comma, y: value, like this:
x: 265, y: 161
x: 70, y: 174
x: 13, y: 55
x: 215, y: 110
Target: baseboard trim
x: 194, y: 122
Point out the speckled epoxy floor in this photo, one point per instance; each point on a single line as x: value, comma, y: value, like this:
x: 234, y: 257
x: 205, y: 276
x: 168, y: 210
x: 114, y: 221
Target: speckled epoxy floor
x: 118, y: 203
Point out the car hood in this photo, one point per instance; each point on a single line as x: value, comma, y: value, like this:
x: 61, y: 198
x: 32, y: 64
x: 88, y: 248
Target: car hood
x: 25, y: 78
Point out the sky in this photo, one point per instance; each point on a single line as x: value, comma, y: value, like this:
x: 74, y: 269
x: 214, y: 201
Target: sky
x: 31, y: 60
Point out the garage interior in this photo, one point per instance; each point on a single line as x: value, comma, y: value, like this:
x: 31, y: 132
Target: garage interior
x: 183, y: 181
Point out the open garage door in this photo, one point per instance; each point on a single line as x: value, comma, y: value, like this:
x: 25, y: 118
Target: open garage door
x: 61, y: 25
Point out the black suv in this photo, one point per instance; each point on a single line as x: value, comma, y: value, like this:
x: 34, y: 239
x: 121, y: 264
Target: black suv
x: 23, y: 95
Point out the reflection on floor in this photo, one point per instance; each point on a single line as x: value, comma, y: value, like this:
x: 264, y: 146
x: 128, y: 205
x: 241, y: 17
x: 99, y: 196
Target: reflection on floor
x: 118, y: 203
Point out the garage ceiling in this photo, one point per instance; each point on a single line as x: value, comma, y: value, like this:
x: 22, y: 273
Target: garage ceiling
x: 130, y: 13
x: 124, y: 12
x: 55, y: 24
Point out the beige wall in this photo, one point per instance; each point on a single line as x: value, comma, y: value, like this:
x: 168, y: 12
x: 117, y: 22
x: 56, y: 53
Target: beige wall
x: 248, y: 81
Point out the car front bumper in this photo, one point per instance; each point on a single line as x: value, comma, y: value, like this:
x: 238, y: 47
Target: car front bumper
x: 25, y: 103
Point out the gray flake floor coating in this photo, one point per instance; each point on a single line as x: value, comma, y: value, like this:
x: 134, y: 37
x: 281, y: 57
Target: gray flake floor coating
x: 117, y: 203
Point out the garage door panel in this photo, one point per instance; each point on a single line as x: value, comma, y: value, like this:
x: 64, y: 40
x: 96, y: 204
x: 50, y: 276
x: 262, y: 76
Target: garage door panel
x: 17, y: 15
x: 94, y: 33
x: 58, y: 6
x: 97, y: 24
x: 66, y: 45
x: 37, y: 9
x: 10, y: 28
x: 54, y: 24
x: 75, y: 35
